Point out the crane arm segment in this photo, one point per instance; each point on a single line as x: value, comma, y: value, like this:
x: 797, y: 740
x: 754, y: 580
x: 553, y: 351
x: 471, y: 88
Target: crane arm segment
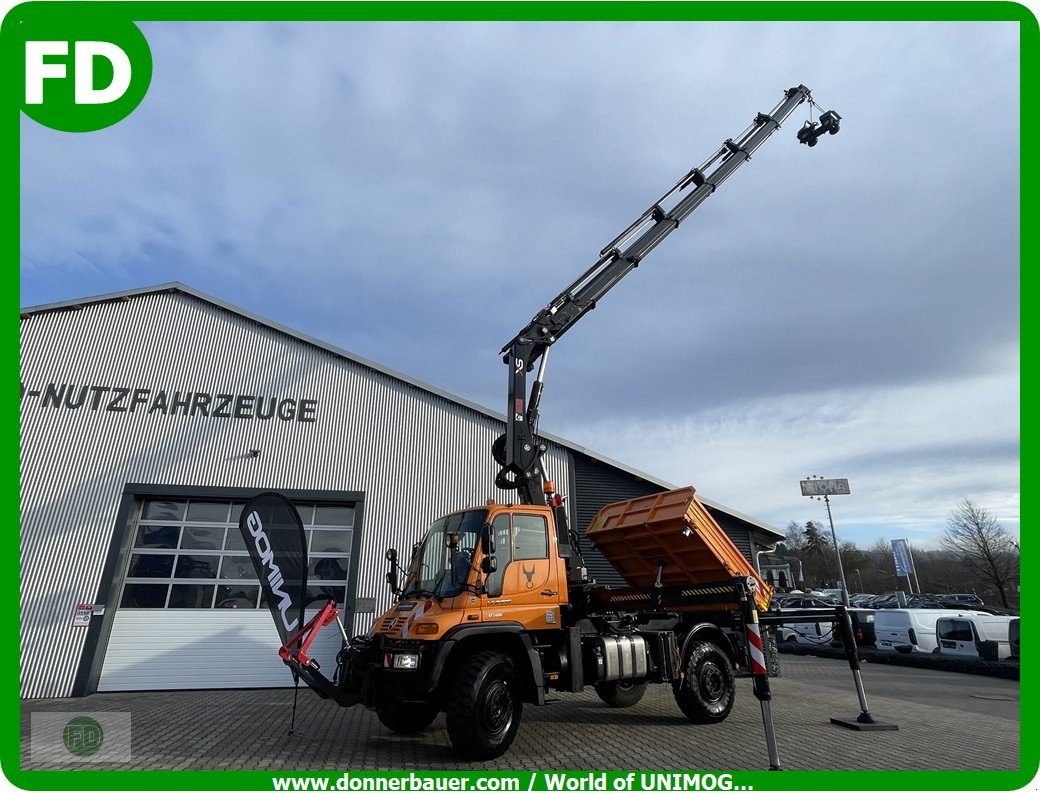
x: 518, y: 451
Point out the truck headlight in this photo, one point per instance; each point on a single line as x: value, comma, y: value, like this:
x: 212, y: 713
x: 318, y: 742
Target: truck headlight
x: 401, y: 660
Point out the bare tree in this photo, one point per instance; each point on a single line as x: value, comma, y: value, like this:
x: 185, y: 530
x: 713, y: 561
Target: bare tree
x: 982, y: 545
x: 794, y: 539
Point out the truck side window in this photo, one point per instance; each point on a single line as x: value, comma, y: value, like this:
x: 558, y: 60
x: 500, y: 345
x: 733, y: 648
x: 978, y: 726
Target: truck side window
x: 530, y: 540
x: 503, y: 555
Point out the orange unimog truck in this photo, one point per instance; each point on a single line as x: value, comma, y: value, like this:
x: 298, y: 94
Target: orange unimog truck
x: 495, y: 609
x: 494, y: 612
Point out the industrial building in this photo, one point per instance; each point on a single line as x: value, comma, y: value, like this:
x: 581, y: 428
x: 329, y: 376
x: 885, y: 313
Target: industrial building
x: 149, y: 417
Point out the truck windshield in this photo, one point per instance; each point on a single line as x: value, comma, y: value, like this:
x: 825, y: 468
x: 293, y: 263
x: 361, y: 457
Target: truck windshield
x: 430, y: 570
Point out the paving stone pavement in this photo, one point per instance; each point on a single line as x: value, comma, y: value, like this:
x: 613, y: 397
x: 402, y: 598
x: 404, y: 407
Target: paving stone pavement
x: 947, y: 721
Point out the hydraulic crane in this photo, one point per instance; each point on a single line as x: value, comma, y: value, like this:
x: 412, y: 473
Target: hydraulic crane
x: 494, y: 613
x: 519, y: 450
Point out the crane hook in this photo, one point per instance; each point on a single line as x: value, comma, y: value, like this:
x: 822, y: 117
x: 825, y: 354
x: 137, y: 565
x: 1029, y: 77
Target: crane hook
x: 811, y: 131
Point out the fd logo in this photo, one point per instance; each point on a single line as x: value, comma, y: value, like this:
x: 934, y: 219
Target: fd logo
x: 78, y: 72
x: 38, y: 67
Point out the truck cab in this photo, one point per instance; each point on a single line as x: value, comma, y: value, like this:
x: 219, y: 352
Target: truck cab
x: 481, y: 600
x: 489, y: 565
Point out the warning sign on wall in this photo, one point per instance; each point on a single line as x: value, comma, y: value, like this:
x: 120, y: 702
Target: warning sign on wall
x: 81, y: 619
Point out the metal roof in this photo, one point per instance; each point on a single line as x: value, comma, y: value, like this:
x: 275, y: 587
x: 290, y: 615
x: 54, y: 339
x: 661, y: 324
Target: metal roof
x: 176, y: 286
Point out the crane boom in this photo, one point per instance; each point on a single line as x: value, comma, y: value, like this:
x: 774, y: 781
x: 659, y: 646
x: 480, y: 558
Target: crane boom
x: 518, y: 451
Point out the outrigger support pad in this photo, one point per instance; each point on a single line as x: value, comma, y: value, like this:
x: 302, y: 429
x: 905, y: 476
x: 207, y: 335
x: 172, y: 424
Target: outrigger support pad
x: 865, y: 721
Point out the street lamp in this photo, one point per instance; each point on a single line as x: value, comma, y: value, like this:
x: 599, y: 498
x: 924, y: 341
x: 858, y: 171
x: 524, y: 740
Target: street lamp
x: 822, y: 489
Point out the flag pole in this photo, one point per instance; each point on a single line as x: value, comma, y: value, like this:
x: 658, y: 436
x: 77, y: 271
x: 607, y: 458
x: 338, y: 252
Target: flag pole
x: 913, y: 566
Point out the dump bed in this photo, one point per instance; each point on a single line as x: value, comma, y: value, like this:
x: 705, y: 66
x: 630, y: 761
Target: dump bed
x: 674, y: 527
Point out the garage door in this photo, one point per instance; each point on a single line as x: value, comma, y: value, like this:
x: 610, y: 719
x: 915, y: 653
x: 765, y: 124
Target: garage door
x: 191, y: 613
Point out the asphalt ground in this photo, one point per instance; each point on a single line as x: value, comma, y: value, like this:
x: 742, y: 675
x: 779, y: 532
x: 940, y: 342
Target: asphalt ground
x: 946, y: 721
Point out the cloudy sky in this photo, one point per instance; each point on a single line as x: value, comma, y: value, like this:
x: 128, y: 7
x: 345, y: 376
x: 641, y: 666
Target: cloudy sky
x: 414, y: 193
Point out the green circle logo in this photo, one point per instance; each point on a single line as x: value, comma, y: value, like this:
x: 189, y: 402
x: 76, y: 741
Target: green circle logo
x: 79, y: 74
x: 83, y: 736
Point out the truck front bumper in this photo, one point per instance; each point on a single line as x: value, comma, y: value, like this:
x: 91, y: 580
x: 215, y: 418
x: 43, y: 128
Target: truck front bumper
x: 380, y: 671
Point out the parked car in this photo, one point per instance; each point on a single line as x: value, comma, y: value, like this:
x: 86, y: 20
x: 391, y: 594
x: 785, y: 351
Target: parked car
x: 780, y: 598
x: 803, y: 602
x: 832, y: 595
x: 863, y: 629
x: 910, y: 630
x: 889, y: 600
x: 928, y: 601
x: 811, y: 631
x: 971, y: 600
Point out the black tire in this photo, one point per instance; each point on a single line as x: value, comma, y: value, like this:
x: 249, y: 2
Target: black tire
x: 407, y: 720
x: 621, y: 693
x: 706, y: 690
x: 484, y: 706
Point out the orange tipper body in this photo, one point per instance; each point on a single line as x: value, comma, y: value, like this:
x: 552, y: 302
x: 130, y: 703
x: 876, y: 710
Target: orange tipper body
x: 676, y: 528
x: 527, y: 590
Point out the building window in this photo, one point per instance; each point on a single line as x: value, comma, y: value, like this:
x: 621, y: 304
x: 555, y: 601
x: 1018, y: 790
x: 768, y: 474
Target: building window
x: 189, y: 554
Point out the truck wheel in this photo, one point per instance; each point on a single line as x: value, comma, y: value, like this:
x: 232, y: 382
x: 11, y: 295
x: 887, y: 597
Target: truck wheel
x: 484, y: 706
x: 407, y: 720
x: 706, y: 690
x: 621, y: 693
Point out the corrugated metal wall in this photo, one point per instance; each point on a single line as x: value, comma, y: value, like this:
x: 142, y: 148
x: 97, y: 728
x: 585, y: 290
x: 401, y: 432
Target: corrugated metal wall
x: 414, y: 454
x: 736, y: 530
x: 597, y: 485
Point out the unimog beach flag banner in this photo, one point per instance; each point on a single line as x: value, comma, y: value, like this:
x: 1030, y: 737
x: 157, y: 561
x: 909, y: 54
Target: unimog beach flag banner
x: 274, y: 535
x: 904, y: 561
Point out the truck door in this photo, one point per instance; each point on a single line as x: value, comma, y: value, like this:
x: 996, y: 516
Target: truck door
x: 522, y: 589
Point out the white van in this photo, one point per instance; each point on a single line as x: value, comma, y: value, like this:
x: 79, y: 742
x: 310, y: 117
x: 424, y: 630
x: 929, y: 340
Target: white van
x: 818, y: 633
x: 964, y: 634
x: 911, y: 630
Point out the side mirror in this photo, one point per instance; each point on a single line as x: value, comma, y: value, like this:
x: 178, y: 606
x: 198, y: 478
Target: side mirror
x: 489, y: 540
x: 488, y: 565
x: 391, y: 574
x: 451, y: 541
